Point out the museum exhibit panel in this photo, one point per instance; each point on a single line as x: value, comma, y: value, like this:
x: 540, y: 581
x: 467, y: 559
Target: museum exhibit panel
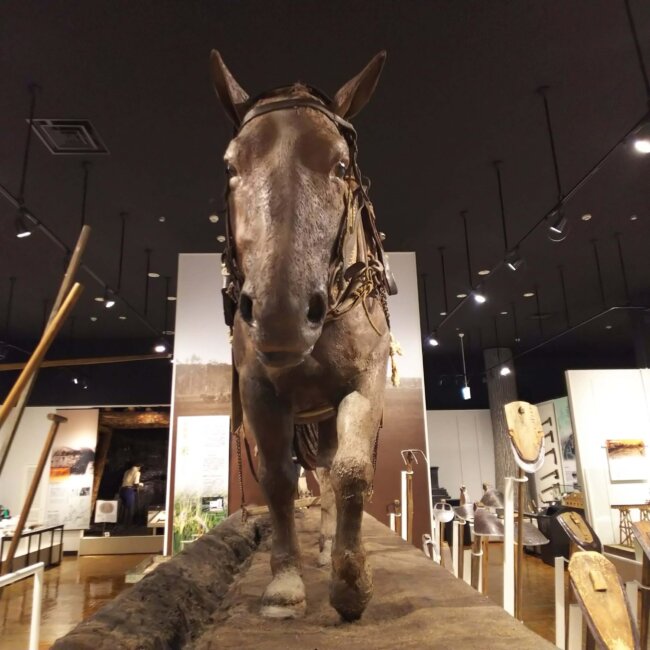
x: 325, y: 324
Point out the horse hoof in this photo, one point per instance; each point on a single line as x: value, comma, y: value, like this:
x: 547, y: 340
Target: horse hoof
x: 325, y: 555
x: 351, y: 587
x: 284, y: 597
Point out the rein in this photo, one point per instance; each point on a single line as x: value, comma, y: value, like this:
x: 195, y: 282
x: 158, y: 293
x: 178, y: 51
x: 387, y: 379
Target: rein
x: 359, y: 268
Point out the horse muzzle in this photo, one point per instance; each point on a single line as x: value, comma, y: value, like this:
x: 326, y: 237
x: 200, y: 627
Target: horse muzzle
x: 282, y: 359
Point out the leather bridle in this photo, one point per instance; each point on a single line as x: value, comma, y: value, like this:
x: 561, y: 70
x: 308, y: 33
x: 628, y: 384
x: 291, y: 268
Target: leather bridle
x: 359, y: 268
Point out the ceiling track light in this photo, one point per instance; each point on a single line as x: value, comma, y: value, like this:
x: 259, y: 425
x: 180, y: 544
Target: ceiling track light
x: 109, y: 299
x: 432, y: 339
x: 23, y: 227
x: 559, y: 228
x: 465, y: 391
x: 513, y: 261
x: 161, y: 345
x: 479, y: 297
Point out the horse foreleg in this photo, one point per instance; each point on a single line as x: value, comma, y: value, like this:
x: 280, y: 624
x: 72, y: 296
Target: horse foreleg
x: 272, y: 425
x: 351, y: 476
x: 327, y: 517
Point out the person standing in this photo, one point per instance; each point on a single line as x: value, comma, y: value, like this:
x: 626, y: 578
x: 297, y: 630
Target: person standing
x: 128, y: 492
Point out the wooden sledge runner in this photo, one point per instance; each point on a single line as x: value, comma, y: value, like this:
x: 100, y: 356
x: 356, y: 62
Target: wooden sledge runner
x: 601, y: 596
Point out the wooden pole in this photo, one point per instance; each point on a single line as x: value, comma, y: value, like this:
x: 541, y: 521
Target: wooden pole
x: 36, y: 359
x: 519, y: 566
x: 87, y: 361
x: 476, y: 560
x: 460, y: 551
x: 409, y: 503
x: 31, y: 493
x: 485, y: 545
x: 644, y: 606
x: 64, y: 290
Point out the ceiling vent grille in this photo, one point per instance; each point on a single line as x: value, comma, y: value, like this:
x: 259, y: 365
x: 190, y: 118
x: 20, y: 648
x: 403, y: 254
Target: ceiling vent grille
x: 69, y: 137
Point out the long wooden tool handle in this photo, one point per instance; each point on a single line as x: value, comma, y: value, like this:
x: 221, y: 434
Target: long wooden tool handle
x: 29, y: 499
x: 41, y: 349
x: 64, y: 289
x: 409, y: 485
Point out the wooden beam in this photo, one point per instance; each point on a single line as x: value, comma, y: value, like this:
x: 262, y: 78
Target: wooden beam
x: 87, y: 361
x: 134, y: 419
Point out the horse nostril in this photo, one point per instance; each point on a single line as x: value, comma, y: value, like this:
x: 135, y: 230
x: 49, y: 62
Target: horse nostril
x: 316, y: 311
x: 246, y: 307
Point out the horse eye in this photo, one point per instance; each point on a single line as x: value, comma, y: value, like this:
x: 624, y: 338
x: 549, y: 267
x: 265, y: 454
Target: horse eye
x: 231, y: 171
x: 340, y: 169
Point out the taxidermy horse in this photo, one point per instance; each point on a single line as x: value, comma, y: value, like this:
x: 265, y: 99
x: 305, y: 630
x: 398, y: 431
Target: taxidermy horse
x: 306, y: 284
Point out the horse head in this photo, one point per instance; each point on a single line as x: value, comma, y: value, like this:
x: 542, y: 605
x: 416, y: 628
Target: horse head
x: 289, y: 171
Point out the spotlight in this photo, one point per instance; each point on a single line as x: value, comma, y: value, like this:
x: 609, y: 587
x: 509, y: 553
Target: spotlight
x: 505, y: 371
x: 213, y: 218
x: 466, y: 392
x: 432, y: 340
x: 160, y: 346
x: 513, y: 261
x: 83, y: 383
x: 109, y: 299
x: 23, y: 228
x: 221, y: 238
x: 75, y: 380
x: 479, y: 297
x: 153, y: 274
x: 559, y: 228
x: 642, y: 145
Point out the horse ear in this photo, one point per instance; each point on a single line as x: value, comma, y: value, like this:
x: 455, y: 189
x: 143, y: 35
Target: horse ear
x: 232, y: 96
x: 356, y: 93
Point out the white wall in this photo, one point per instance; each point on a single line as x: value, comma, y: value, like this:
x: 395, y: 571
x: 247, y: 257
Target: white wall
x: 462, y: 446
x: 606, y: 405
x: 21, y: 462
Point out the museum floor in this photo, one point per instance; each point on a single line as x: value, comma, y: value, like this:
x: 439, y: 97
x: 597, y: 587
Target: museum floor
x: 80, y: 586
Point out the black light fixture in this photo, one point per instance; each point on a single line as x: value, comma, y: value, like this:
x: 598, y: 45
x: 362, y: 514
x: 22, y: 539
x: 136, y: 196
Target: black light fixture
x: 161, y: 345
x: 477, y: 294
x: 465, y: 391
x: 431, y: 337
x: 559, y: 225
x: 514, y: 261
x: 441, y: 250
x: 109, y: 299
x: 23, y: 227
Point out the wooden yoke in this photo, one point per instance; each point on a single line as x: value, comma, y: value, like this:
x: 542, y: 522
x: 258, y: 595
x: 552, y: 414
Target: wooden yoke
x: 31, y: 493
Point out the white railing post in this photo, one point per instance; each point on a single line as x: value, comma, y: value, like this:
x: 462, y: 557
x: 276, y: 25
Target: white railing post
x: 35, y: 570
x: 509, y: 546
x: 560, y: 612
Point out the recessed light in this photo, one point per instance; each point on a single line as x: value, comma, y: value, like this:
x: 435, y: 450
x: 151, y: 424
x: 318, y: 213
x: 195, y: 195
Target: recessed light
x: 443, y: 313
x: 99, y: 298
x: 153, y: 274
x: 504, y: 313
x: 608, y: 327
x: 586, y: 217
x: 642, y: 145
x: 461, y: 295
x: 214, y: 218
x: 479, y: 297
x: 634, y: 217
x: 221, y: 238
x: 171, y: 298
x: 162, y: 219
x: 169, y: 332
x: 517, y: 339
x: 122, y: 317
x: 484, y: 272
x: 529, y: 294
x: 93, y: 318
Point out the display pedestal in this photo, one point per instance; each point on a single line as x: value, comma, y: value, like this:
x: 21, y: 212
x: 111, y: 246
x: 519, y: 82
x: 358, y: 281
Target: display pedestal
x: 416, y: 603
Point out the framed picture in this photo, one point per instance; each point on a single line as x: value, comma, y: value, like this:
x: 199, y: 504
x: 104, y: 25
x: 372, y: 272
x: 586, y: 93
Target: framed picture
x: 627, y: 459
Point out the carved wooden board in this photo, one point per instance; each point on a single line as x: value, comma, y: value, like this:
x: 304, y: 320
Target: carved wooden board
x: 579, y: 531
x: 525, y: 430
x: 601, y: 596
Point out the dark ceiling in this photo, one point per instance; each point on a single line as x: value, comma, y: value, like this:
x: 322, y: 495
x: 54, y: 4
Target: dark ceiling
x: 458, y: 92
